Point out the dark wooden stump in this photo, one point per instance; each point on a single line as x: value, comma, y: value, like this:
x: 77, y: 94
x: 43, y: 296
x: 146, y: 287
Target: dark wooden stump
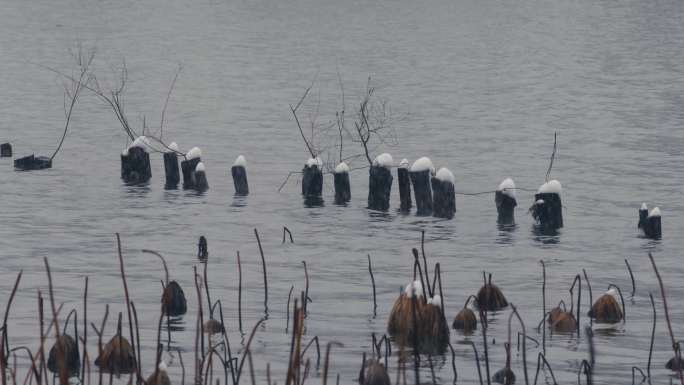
x: 404, y: 189
x: 643, y: 214
x: 312, y: 181
x: 422, y: 191
x: 443, y: 195
x: 653, y: 227
x: 5, y: 150
x: 200, y: 178
x: 505, y: 207
x: 505, y: 201
x: 171, y: 170
x: 202, y: 249
x: 188, y: 169
x: 239, y: 173
x: 379, y: 188
x: 548, y: 211
x: 135, y: 166
x: 32, y: 162
x: 342, y: 185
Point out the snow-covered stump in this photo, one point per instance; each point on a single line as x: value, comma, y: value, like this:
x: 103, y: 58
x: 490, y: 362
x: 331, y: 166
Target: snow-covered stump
x: 5, y: 150
x: 188, y: 166
x: 380, y: 183
x: 171, y: 169
x: 32, y: 162
x: 342, y: 185
x: 443, y: 194
x: 239, y: 173
x: 643, y: 214
x: 548, y: 209
x: 135, y: 162
x: 404, y: 186
x: 312, y: 180
x: 652, y: 228
x: 200, y: 178
x: 421, y: 172
x: 505, y: 202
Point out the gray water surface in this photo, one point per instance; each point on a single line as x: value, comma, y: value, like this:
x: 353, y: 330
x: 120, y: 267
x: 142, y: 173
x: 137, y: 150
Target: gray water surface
x: 479, y: 86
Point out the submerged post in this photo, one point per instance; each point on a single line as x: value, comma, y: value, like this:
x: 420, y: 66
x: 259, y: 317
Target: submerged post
x: 505, y: 202
x: 404, y: 186
x: 32, y: 162
x: 188, y: 166
x: 547, y: 209
x: 342, y: 185
x: 312, y: 181
x: 421, y: 171
x: 444, y: 194
x: 239, y: 172
x: 5, y: 150
x: 171, y: 169
x: 135, y: 162
x: 380, y: 183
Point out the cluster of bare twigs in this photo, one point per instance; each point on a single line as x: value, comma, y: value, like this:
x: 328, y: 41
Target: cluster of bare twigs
x: 372, y: 127
x: 112, y: 94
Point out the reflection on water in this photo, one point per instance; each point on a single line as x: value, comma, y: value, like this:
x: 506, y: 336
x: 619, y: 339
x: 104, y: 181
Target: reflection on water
x: 239, y: 201
x: 506, y: 235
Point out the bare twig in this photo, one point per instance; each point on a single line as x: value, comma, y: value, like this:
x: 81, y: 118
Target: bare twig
x: 667, y: 317
x: 631, y: 276
x: 263, y: 263
x: 370, y: 270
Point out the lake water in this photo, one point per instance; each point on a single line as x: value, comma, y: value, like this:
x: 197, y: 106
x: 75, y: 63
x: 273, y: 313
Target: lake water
x: 479, y: 86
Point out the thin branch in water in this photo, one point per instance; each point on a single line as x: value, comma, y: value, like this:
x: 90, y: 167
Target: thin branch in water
x: 128, y: 301
x: 306, y: 299
x: 263, y: 263
x: 541, y: 362
x: 375, y: 303
x: 667, y: 318
x: 239, y: 291
x: 286, y: 230
x: 166, y: 102
x: 327, y: 359
x: 631, y: 276
x: 289, y: 296
x: 249, y: 343
x: 553, y: 155
x: 650, y: 349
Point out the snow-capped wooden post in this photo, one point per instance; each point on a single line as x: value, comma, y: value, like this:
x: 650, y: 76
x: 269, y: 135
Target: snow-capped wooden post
x: 135, y: 162
x: 188, y: 166
x: 653, y: 229
x: 643, y: 214
x: 200, y: 178
x: 5, y: 150
x: 547, y: 209
x: 404, y: 186
x: 342, y: 186
x: 239, y: 173
x: 443, y: 194
x: 312, y: 179
x: 505, y: 202
x: 380, y: 183
x: 421, y: 171
x: 171, y: 169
